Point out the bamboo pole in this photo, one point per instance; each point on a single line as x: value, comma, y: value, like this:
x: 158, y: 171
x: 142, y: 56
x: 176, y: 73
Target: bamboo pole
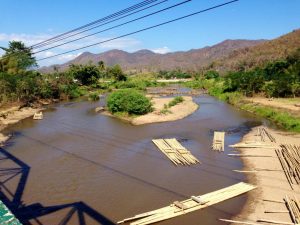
x: 246, y: 155
x: 279, y: 211
x: 256, y: 170
x: 269, y: 200
x: 239, y: 222
x: 274, y: 222
x: 281, y: 160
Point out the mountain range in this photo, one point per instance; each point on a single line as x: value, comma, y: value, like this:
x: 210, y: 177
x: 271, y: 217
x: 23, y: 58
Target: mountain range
x: 227, y: 55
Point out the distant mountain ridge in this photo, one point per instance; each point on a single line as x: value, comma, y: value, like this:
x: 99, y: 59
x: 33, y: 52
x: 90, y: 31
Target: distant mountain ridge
x: 147, y: 60
x: 260, y: 54
x: 227, y: 55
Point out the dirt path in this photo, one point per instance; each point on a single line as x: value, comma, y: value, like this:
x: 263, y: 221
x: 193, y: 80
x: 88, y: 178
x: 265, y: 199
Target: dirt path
x: 281, y: 103
x: 272, y: 185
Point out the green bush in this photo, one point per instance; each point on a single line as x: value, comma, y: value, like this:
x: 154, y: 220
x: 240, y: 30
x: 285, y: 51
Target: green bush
x: 136, y: 83
x: 131, y: 101
x: 211, y: 74
x: 176, y: 101
x: 94, y: 96
x: 194, y: 84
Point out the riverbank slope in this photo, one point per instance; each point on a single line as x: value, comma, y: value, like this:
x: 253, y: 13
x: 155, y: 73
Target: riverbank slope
x: 271, y: 182
x: 285, y: 112
x: 12, y: 115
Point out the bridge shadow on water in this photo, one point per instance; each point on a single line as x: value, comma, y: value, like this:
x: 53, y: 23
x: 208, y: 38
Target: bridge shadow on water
x: 13, y: 178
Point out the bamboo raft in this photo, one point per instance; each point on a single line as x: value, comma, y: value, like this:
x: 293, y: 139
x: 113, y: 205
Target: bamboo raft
x: 289, y: 157
x: 178, y: 154
x: 192, y: 204
x: 265, y: 135
x: 293, y: 206
x: 218, y: 141
x: 38, y: 116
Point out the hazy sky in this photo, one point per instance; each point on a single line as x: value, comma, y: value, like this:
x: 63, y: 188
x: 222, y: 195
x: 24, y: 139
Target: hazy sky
x: 34, y: 20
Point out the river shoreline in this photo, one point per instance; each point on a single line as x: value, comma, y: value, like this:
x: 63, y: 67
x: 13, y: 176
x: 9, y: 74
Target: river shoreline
x: 271, y: 185
x: 14, y: 115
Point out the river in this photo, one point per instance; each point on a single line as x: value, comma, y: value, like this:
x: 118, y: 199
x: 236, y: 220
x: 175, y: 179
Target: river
x: 79, y: 167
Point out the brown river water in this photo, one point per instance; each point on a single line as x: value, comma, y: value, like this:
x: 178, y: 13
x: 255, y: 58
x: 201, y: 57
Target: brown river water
x: 79, y: 167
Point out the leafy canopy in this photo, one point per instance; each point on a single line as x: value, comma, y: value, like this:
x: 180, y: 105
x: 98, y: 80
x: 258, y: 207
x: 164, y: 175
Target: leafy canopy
x: 128, y: 101
x: 17, y: 58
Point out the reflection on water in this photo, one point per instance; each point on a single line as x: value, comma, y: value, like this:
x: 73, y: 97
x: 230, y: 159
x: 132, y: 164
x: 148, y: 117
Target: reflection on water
x: 84, y: 168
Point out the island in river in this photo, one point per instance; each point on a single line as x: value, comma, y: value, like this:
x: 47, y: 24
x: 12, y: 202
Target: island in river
x: 160, y: 113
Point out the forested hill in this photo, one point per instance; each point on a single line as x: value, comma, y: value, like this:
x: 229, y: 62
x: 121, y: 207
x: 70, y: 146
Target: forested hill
x: 225, y: 56
x: 259, y: 55
x: 147, y: 60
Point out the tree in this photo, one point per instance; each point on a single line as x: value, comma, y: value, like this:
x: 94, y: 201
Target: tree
x: 117, y: 73
x: 17, y: 58
x: 295, y: 89
x: 102, y: 69
x: 86, y: 74
x: 211, y: 74
x: 101, y: 65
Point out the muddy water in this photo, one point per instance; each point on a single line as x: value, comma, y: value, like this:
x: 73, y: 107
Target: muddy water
x: 79, y: 167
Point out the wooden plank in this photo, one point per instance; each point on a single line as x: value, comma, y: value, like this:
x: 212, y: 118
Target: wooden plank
x: 211, y: 198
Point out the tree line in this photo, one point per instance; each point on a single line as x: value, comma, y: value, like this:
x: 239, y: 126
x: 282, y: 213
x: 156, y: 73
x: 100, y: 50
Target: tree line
x: 279, y: 78
x: 275, y: 79
x: 19, y: 81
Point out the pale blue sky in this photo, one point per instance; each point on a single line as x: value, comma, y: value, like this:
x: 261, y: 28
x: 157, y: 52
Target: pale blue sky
x: 35, y: 20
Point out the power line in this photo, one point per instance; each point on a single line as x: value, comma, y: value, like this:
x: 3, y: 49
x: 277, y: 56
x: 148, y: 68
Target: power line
x: 141, y: 30
x: 53, y: 40
x: 119, y: 25
x: 124, y: 11
x: 100, y: 25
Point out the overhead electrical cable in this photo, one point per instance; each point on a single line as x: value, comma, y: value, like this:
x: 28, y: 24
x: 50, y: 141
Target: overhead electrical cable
x: 124, y: 11
x: 99, y: 25
x: 54, y: 39
x: 144, y: 29
x: 110, y: 28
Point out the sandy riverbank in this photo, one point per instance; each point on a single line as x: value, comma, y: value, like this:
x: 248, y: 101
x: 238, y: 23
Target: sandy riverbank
x: 179, y: 111
x: 271, y: 185
x: 289, y: 104
x: 13, y: 115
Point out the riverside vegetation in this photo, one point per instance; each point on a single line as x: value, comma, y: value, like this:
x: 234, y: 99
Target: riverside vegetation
x: 19, y: 82
x: 275, y: 79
